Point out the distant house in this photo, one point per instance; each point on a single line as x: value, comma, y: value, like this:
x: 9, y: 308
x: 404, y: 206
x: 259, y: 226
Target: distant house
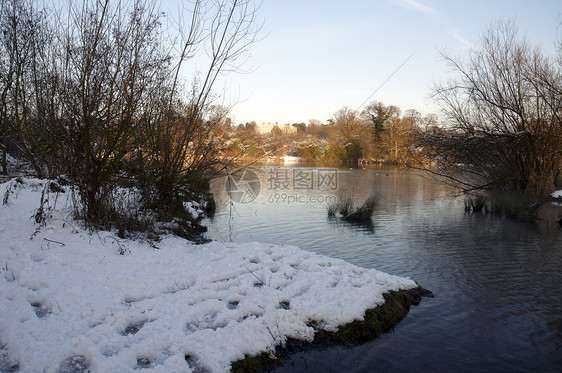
x: 266, y: 129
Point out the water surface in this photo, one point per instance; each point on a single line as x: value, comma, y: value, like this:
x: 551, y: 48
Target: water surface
x: 497, y: 282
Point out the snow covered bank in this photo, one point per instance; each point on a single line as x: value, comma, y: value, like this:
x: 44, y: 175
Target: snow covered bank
x: 70, y: 300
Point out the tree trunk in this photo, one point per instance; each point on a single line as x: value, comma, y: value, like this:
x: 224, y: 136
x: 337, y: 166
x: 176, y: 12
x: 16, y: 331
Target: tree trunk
x: 4, y: 161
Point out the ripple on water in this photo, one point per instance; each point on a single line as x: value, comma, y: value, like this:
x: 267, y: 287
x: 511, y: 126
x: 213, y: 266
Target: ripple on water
x: 496, y: 281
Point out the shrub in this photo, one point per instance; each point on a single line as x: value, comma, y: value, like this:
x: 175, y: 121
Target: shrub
x: 96, y: 96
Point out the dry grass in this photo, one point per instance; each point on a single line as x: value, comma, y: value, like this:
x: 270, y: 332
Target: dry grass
x: 346, y: 208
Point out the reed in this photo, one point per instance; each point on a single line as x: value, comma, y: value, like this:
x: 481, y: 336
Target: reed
x: 347, y: 209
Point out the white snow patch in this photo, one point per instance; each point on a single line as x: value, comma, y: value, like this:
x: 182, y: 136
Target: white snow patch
x: 69, y: 301
x: 557, y: 194
x: 194, y: 209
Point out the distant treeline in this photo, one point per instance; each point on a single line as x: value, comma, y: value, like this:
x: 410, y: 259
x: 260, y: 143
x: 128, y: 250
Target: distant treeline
x: 378, y: 133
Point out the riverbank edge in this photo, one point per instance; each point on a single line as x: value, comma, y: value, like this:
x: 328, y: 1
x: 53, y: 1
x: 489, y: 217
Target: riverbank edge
x: 376, y: 321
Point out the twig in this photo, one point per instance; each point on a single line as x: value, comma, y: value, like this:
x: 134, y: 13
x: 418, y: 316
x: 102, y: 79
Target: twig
x: 253, y: 274
x: 53, y: 241
x: 270, y: 333
x: 58, y: 305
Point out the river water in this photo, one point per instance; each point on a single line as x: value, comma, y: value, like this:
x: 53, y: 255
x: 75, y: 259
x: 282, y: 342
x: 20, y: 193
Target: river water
x: 497, y: 282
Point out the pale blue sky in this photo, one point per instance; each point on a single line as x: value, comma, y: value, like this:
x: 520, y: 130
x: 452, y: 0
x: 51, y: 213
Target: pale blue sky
x: 318, y: 56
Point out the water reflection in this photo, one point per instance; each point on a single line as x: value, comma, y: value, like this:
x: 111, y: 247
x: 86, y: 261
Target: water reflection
x: 498, y: 303
x: 365, y: 227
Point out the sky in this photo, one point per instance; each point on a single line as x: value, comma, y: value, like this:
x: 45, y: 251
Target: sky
x: 315, y: 57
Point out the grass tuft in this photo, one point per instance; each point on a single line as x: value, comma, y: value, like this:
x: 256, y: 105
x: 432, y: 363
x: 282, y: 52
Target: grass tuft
x: 365, y: 211
x: 347, y: 210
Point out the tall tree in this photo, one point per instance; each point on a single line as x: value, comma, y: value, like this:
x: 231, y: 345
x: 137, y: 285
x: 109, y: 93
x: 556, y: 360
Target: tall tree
x: 504, y: 116
x: 378, y: 115
x: 380, y: 119
x: 348, y: 131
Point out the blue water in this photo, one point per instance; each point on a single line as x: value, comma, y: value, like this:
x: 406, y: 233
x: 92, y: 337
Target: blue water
x: 497, y: 282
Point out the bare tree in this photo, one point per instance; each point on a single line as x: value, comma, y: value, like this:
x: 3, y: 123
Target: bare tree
x: 503, y: 112
x: 399, y: 135
x: 108, y: 72
x: 315, y: 128
x: 96, y: 90
x: 183, y: 147
x: 22, y: 37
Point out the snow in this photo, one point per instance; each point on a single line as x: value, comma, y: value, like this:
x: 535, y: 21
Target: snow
x: 557, y: 194
x: 69, y: 301
x: 194, y: 209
